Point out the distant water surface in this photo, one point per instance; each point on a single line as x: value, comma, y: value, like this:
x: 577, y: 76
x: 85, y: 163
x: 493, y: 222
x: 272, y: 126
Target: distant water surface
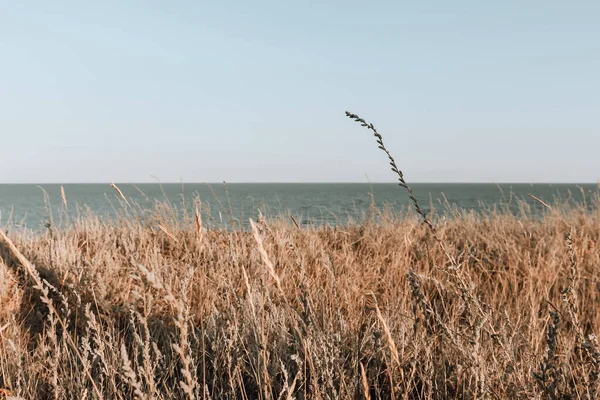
x: 317, y: 203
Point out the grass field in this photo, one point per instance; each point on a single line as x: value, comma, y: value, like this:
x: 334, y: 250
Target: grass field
x: 170, y: 310
x: 491, y: 305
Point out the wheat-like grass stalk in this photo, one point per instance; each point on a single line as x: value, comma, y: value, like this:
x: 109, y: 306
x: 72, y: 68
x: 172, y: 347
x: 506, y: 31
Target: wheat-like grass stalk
x: 265, y: 256
x: 199, y: 233
x: 365, y: 382
x: 394, y: 168
x: 403, y: 184
x: 388, y: 333
x: 131, y: 375
x: 120, y: 194
x: 166, y: 232
x: 64, y: 197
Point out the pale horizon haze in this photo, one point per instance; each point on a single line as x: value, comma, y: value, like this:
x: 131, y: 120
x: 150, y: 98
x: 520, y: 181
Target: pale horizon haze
x: 198, y: 91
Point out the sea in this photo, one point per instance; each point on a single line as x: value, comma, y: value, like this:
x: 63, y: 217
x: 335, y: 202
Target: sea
x: 32, y: 206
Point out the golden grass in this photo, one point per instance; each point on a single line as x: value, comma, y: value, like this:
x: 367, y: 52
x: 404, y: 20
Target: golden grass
x: 170, y: 310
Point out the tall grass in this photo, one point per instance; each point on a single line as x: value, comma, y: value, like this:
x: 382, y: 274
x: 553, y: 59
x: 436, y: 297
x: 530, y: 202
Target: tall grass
x: 488, y: 305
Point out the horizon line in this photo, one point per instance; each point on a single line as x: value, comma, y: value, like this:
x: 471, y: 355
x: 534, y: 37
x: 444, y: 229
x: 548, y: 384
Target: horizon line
x: 307, y: 183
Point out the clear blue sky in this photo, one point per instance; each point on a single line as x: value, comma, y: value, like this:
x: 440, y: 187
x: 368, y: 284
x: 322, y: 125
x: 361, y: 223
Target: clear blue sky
x: 255, y: 91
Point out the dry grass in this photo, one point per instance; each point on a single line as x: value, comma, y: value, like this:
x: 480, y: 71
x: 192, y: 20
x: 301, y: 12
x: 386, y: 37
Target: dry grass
x: 479, y: 306
x: 170, y: 310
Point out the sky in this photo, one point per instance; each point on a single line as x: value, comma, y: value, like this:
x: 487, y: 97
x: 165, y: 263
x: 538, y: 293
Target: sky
x: 255, y: 91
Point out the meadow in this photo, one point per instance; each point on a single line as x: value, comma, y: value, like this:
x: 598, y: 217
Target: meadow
x: 411, y: 305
